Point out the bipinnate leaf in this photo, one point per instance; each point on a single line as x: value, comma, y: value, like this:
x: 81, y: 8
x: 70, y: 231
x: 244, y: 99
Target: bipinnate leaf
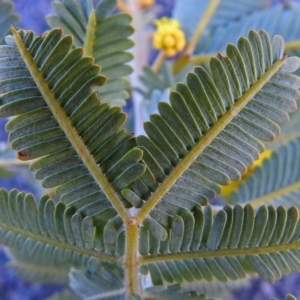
x: 77, y: 141
x: 213, y: 127
x: 226, y: 13
x: 102, y: 280
x: 155, y: 81
x: 208, y: 134
x: 7, y: 18
x: 288, y: 27
x: 47, y: 240
x: 37, y: 271
x: 276, y: 182
x: 103, y: 36
x: 176, y: 292
x: 238, y: 243
x: 34, y: 232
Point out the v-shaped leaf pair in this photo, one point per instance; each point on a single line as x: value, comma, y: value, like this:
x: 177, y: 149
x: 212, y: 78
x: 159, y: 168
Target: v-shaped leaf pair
x: 207, y: 135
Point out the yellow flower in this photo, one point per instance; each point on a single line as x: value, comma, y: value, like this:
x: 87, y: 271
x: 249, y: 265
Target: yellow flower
x: 233, y: 185
x: 168, y: 36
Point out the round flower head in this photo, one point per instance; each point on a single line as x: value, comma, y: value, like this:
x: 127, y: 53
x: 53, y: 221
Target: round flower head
x: 168, y: 36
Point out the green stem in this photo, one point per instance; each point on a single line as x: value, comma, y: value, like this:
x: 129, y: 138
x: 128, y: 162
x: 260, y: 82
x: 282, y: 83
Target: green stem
x: 292, y: 45
x: 204, y: 58
x: 13, y: 162
x: 200, y: 59
x: 184, y: 59
x: 132, y: 284
x: 209, y: 12
x: 160, y: 58
x: 204, y: 253
x: 41, y: 268
x: 275, y: 194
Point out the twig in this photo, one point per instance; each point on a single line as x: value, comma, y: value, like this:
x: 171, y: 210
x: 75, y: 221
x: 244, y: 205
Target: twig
x: 212, y: 6
x: 13, y: 162
x: 160, y: 58
x: 198, y: 59
x: 292, y: 45
x: 184, y: 59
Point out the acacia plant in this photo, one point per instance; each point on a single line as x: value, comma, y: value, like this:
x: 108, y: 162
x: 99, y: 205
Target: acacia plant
x: 131, y: 217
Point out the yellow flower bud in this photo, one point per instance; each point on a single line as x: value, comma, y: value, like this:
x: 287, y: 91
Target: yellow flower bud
x: 170, y: 52
x: 168, y: 36
x: 157, y: 41
x: 169, y: 41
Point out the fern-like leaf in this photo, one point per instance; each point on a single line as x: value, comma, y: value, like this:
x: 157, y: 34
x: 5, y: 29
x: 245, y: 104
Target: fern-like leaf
x: 266, y: 19
x: 190, y: 12
x: 103, y: 36
x: 277, y: 181
x: 37, y: 272
x: 99, y: 281
x: 211, y: 130
x: 62, y: 122
x: 156, y: 81
x: 175, y: 292
x: 211, y: 289
x: 35, y: 232
x: 7, y: 18
x: 232, y: 10
x: 236, y: 243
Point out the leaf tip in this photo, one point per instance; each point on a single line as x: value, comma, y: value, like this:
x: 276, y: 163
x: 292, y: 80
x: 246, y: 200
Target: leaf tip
x: 13, y: 30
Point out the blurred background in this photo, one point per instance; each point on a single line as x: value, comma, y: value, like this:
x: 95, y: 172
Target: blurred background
x: 32, y: 16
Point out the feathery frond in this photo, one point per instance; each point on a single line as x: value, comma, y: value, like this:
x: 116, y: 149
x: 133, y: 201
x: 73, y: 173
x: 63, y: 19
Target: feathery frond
x: 196, y: 288
x: 7, y: 18
x: 104, y: 36
x: 102, y: 280
x: 52, y: 235
x: 212, y: 129
x: 80, y: 143
x: 276, y: 182
x: 156, y: 81
x: 169, y: 245
x: 237, y: 243
x: 37, y: 272
x: 175, y: 292
x: 190, y: 13
x: 266, y: 19
x: 232, y: 10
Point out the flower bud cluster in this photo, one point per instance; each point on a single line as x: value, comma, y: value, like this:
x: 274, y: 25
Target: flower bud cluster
x: 168, y: 36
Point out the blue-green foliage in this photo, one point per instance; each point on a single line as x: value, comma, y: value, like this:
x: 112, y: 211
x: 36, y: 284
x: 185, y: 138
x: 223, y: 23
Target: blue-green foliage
x: 278, y: 172
x: 7, y: 18
x: 233, y: 19
x: 267, y: 19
